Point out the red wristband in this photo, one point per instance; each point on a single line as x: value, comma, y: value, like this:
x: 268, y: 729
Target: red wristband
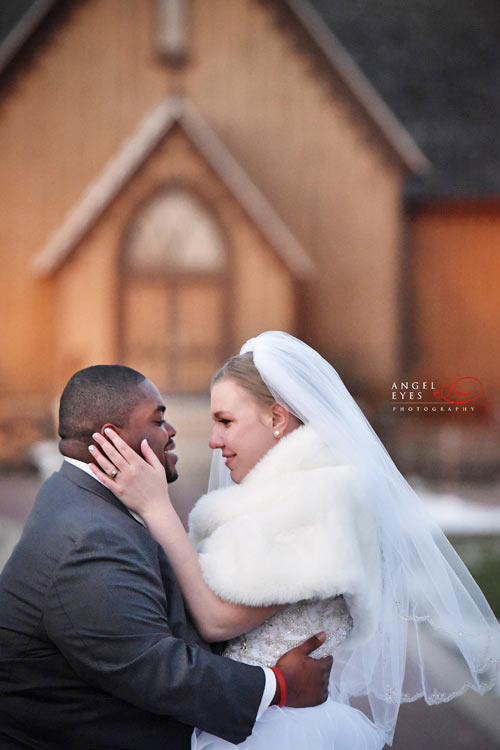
x: 281, y: 684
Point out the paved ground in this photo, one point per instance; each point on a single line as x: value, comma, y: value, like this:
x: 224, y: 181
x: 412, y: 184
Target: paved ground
x: 472, y: 723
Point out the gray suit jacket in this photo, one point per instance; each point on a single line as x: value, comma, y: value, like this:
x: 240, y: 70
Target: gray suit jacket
x: 96, y: 649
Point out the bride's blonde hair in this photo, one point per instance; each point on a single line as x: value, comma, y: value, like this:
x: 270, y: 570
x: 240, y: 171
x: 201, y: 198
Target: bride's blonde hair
x: 241, y: 368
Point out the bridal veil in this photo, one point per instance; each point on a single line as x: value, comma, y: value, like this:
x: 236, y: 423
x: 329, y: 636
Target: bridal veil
x: 430, y: 603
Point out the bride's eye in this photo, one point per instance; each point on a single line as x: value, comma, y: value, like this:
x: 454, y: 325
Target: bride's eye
x: 225, y: 421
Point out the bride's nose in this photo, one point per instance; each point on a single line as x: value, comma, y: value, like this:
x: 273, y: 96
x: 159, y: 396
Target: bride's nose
x: 215, y: 440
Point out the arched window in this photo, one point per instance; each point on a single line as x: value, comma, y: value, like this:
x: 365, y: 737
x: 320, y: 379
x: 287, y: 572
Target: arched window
x: 175, y: 291
x: 175, y: 232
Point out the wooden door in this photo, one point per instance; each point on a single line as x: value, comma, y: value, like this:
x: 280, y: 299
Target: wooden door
x: 174, y: 293
x: 174, y: 332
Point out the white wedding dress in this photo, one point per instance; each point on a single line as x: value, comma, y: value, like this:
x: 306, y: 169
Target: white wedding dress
x: 330, y: 726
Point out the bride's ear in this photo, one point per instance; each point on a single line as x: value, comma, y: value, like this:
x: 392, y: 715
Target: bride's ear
x: 280, y: 419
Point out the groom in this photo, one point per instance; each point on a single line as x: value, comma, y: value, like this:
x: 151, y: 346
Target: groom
x: 96, y: 648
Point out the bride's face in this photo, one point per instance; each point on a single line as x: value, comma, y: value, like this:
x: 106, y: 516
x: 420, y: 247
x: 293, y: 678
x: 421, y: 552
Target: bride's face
x: 243, y: 427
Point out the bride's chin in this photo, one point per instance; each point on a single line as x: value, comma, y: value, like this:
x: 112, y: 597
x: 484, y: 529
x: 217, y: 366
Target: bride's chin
x: 236, y: 478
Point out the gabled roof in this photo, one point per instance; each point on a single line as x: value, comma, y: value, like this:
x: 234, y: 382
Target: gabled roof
x: 127, y: 161
x: 355, y: 82
x: 437, y: 65
x: 434, y: 62
x: 391, y: 132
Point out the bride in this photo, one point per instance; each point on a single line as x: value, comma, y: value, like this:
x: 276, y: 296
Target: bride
x: 306, y: 513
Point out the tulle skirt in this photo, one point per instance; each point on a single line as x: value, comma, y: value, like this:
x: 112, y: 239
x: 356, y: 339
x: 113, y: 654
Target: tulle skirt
x: 330, y: 726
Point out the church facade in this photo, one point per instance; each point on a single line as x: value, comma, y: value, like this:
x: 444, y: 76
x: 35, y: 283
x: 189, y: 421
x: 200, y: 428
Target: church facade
x: 179, y: 175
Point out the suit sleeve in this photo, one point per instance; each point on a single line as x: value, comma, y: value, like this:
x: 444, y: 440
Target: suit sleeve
x: 106, y: 611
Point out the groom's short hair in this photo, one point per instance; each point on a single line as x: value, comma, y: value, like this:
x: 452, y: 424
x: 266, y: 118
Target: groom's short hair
x: 94, y: 396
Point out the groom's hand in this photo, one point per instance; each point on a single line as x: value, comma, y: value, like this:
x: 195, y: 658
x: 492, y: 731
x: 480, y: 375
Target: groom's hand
x: 306, y: 678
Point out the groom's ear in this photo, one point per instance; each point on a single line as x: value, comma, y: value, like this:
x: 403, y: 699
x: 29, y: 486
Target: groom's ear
x: 113, y: 427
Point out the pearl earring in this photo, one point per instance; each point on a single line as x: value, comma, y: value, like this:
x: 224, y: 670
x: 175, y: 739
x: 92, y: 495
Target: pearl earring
x: 276, y: 433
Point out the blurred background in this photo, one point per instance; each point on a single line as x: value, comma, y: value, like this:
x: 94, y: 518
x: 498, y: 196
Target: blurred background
x: 180, y: 175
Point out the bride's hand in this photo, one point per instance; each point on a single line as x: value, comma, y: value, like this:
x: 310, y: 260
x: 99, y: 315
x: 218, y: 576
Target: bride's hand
x: 140, y: 483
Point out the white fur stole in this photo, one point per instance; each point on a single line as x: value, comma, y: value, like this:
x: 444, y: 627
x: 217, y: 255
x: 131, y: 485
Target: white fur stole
x: 297, y: 527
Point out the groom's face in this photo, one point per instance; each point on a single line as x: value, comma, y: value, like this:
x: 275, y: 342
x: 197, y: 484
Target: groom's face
x: 147, y: 420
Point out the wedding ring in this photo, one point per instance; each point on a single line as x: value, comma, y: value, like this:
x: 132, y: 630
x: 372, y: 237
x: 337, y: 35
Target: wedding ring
x: 113, y: 473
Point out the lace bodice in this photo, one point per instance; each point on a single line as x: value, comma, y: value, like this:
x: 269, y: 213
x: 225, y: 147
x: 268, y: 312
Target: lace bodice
x: 294, y: 624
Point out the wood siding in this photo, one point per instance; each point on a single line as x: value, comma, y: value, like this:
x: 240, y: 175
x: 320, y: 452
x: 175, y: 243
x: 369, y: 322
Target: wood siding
x: 456, y: 272
x: 321, y: 167
x: 64, y: 116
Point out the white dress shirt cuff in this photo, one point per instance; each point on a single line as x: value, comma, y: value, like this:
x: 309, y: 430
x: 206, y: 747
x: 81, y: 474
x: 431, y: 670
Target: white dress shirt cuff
x: 269, y: 691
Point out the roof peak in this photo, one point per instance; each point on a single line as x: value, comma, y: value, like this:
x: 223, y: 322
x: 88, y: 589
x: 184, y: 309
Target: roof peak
x: 134, y: 151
